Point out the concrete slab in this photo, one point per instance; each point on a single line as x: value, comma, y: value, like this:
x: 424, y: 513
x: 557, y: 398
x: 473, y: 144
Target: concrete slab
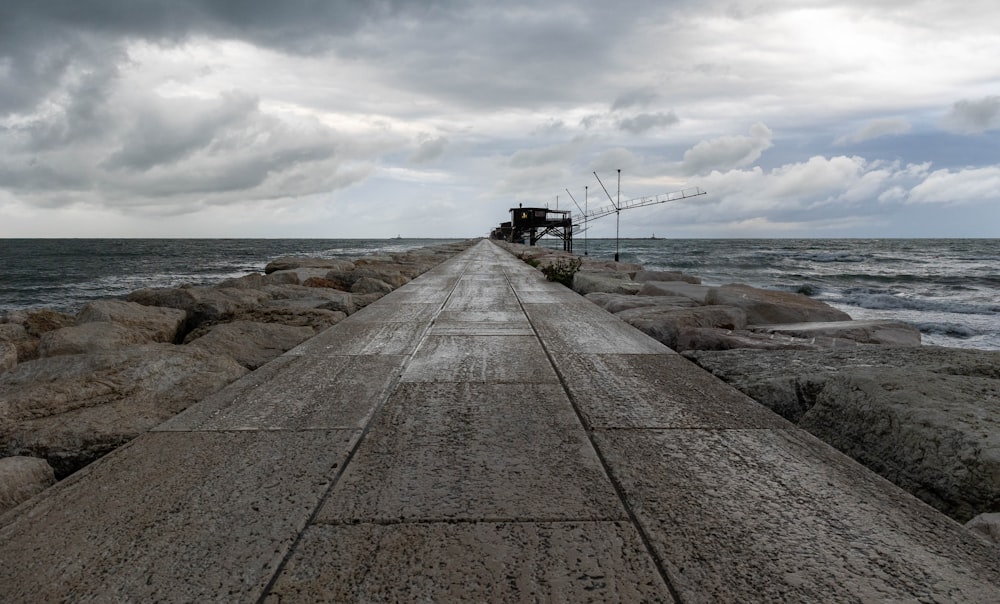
x: 364, y: 338
x: 572, y: 310
x: 600, y: 337
x: 470, y: 295
x: 297, y: 392
x: 390, y: 312
x: 494, y: 452
x: 776, y: 515
x: 471, y: 358
x: 486, y: 328
x: 471, y: 562
x: 194, y: 517
x: 484, y: 316
x: 656, y: 391
x: 560, y: 295
x: 419, y: 294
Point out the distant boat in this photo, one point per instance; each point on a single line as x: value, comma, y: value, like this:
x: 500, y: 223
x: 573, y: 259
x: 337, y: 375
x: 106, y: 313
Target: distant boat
x: 397, y: 237
x: 653, y: 236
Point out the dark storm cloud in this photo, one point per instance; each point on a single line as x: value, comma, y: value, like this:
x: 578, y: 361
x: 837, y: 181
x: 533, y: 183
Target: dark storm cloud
x: 647, y: 121
x: 976, y: 116
x: 429, y: 150
x: 641, y: 98
x: 41, y: 41
x: 164, y: 132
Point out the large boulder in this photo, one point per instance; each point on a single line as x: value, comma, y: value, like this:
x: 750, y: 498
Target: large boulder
x: 73, y: 409
x: 696, y: 293
x: 316, y: 318
x: 714, y: 338
x: 258, y: 281
x: 252, y: 344
x: 8, y: 356
x: 25, y: 346
x: 370, y: 285
x: 890, y: 333
x: 96, y: 336
x: 37, y: 322
x: 616, y: 303
x: 160, y: 324
x: 585, y: 282
x: 302, y: 297
x: 764, y: 306
x: 202, y: 304
x: 665, y: 324
x: 294, y: 262
x: 643, y: 276
x: 21, y: 478
x: 986, y: 526
x: 12, y: 332
x: 924, y: 417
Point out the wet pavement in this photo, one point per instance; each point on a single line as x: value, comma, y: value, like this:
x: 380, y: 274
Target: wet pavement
x: 481, y: 434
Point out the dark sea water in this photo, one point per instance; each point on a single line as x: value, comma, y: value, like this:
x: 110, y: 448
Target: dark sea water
x: 64, y: 274
x: 948, y: 288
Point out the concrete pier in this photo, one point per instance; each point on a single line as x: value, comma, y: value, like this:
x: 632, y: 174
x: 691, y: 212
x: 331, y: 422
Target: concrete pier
x: 481, y: 435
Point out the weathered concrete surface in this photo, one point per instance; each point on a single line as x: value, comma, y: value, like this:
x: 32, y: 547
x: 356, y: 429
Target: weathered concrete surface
x: 482, y: 435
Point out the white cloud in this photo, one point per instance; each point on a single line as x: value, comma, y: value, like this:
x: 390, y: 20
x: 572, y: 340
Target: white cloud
x: 875, y: 129
x: 969, y: 186
x: 727, y: 151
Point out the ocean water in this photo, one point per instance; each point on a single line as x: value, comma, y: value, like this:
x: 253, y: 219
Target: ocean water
x: 64, y: 274
x: 947, y: 288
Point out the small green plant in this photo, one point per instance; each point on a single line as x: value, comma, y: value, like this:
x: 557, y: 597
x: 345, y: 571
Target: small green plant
x: 562, y: 271
x: 532, y: 262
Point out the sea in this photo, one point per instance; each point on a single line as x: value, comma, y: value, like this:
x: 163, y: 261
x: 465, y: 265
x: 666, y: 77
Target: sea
x: 949, y: 289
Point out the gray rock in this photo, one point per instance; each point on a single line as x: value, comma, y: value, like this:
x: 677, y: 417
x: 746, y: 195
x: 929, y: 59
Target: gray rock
x: 159, y: 323
x: 37, y: 322
x: 608, y: 282
x: 711, y: 338
x: 294, y: 262
x: 97, y: 336
x: 73, y: 409
x: 926, y: 418
x: 643, y: 276
x: 8, y: 356
x: 891, y: 333
x: 664, y: 324
x: 21, y: 478
x: 986, y: 526
x: 12, y: 332
x: 301, y: 297
x: 369, y: 285
x: 202, y: 304
x: 252, y: 344
x: 697, y: 293
x: 616, y: 303
x: 765, y: 307
x: 316, y: 318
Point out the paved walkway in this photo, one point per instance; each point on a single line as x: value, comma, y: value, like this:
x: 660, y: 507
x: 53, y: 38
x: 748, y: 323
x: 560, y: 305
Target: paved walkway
x: 483, y: 435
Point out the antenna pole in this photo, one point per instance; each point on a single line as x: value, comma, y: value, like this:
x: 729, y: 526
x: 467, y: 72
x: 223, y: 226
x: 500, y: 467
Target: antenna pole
x: 618, y: 212
x: 586, y: 196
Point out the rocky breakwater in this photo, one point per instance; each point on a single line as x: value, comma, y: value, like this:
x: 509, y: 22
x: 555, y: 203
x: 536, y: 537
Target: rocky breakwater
x: 926, y: 418
x: 74, y: 387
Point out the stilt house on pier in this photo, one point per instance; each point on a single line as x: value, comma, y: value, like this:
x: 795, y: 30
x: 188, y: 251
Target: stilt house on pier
x: 528, y: 225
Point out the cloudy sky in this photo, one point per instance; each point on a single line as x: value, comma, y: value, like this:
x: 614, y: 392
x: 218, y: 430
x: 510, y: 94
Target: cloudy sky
x: 430, y: 118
